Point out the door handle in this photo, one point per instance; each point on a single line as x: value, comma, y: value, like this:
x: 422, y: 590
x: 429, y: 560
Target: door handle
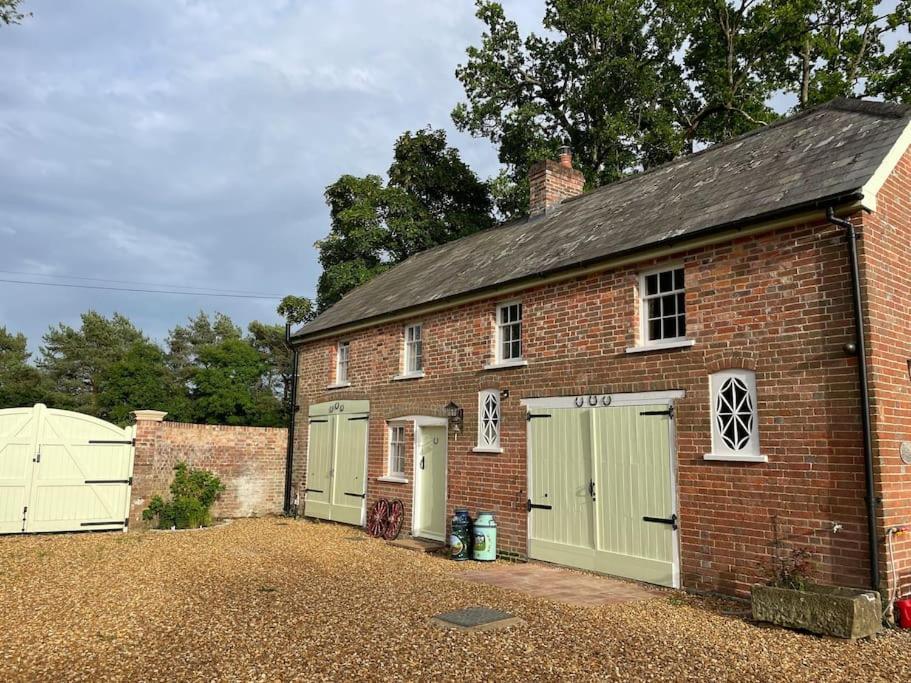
x: 421, y: 465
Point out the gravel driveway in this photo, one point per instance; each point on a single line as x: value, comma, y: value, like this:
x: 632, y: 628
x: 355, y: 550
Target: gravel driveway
x: 270, y: 599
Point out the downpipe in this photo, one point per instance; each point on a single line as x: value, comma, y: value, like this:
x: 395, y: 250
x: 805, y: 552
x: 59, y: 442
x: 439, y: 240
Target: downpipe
x: 289, y: 453
x: 852, y: 237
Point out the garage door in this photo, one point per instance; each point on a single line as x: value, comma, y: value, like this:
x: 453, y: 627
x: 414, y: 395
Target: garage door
x: 601, y: 487
x: 337, y: 461
x: 62, y: 471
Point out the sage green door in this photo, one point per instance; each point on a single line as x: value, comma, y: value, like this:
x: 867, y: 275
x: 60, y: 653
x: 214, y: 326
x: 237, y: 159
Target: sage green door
x: 430, y: 517
x: 562, y: 516
x: 595, y: 475
x: 337, y: 461
x: 63, y: 471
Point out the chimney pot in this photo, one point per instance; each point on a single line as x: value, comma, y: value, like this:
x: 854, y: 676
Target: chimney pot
x: 565, y: 155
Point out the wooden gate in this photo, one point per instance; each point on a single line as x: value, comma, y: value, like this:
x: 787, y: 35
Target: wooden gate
x: 63, y: 471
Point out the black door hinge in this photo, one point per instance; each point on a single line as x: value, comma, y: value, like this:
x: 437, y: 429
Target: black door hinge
x: 356, y: 495
x: 535, y: 506
x: 360, y: 417
x: 312, y: 421
x: 669, y: 412
x: 131, y: 442
x: 313, y: 491
x: 671, y: 521
x: 535, y: 416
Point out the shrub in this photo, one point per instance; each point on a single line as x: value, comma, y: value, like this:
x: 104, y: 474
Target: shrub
x: 792, y: 569
x: 193, y: 492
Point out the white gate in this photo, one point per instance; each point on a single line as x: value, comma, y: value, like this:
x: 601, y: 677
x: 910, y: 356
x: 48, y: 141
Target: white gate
x: 63, y: 471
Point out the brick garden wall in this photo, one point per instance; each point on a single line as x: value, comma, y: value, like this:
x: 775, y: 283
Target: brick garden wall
x: 778, y: 303
x: 886, y: 257
x: 249, y: 460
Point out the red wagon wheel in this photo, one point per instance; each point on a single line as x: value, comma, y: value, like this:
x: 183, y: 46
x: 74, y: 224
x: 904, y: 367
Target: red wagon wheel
x: 376, y: 518
x: 394, y: 520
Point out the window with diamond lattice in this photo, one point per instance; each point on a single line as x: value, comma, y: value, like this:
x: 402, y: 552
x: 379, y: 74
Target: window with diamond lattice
x: 489, y: 419
x: 734, y: 416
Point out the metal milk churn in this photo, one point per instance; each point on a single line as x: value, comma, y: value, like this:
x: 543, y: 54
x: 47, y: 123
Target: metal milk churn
x: 485, y: 538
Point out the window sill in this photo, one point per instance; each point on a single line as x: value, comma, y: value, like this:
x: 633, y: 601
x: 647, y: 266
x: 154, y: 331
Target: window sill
x: 408, y: 375
x: 393, y: 480
x: 662, y: 346
x: 735, y: 458
x: 486, y: 449
x: 339, y: 385
x: 504, y: 364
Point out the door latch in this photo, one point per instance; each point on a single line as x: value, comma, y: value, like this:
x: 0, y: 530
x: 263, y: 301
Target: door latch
x: 591, y: 488
x: 421, y: 465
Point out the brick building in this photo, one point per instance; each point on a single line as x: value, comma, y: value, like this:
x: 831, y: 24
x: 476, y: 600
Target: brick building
x: 657, y: 379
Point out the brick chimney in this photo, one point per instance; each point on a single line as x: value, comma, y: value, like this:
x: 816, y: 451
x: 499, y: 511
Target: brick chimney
x: 550, y: 182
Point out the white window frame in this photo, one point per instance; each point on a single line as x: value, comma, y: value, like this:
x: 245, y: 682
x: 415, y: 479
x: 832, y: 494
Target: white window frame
x: 721, y: 450
x: 488, y: 443
x: 413, y: 339
x: 341, y: 377
x: 645, y: 342
x: 392, y: 472
x: 498, y: 334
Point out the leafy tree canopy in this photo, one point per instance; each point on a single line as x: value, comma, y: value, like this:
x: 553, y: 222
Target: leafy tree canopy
x: 20, y: 382
x: 11, y: 12
x: 431, y: 197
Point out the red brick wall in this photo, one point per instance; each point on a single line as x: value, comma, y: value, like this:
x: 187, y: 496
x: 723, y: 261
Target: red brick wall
x: 550, y: 182
x: 778, y: 303
x: 886, y: 256
x: 249, y: 460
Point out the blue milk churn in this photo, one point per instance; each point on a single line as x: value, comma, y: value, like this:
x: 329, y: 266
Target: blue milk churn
x: 460, y: 536
x: 485, y: 538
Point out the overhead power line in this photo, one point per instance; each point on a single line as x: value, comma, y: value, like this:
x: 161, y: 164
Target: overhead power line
x: 141, y: 291
x: 138, y: 282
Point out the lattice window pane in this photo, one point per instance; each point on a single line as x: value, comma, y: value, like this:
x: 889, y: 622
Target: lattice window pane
x: 489, y: 419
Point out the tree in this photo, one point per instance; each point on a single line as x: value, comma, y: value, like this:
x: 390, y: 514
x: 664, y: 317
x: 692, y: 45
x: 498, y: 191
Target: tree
x: 296, y: 309
x: 227, y: 389
x: 140, y: 380
x: 11, y: 12
x: 630, y: 85
x: 431, y: 197
x: 269, y: 341
x: 20, y: 382
x: 74, y: 360
x: 184, y: 342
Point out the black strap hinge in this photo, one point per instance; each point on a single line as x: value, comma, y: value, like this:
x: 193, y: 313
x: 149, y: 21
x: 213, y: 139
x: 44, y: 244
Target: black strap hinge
x: 535, y: 416
x: 672, y: 520
x: 535, y: 506
x: 359, y: 417
x: 313, y: 420
x: 356, y: 495
x: 313, y: 491
x: 669, y: 412
x: 130, y: 442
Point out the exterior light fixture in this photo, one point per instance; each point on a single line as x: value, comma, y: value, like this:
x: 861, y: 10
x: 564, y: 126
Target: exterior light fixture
x: 454, y: 413
x: 504, y: 394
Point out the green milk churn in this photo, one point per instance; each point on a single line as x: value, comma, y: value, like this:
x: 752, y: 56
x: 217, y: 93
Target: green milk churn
x: 460, y: 536
x: 485, y: 538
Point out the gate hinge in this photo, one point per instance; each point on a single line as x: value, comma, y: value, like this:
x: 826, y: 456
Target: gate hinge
x: 534, y: 506
x: 669, y: 412
x: 535, y: 416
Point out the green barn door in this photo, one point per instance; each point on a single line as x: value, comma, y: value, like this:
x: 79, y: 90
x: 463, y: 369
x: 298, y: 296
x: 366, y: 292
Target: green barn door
x: 319, y: 467
x: 634, y: 481
x: 430, y: 521
x: 18, y: 446
x: 561, y: 524
x: 337, y: 461
x: 349, y: 481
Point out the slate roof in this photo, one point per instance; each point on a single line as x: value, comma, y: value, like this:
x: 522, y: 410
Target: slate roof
x: 814, y: 158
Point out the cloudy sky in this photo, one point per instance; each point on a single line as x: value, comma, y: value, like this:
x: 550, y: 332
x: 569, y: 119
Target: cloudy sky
x: 188, y: 142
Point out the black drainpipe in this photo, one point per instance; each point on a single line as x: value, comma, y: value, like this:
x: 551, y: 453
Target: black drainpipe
x: 851, y: 235
x: 289, y: 454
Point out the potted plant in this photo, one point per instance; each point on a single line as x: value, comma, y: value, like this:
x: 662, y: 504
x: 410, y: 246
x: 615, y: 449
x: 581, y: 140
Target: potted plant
x: 791, y: 599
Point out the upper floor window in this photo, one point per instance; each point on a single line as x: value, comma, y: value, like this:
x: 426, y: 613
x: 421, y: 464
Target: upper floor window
x: 397, y: 451
x: 489, y: 420
x: 509, y: 332
x: 341, y: 362
x: 735, y: 419
x: 414, y: 349
x: 663, y: 309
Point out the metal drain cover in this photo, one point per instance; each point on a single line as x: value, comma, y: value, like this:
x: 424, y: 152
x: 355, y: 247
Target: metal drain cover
x: 475, y: 619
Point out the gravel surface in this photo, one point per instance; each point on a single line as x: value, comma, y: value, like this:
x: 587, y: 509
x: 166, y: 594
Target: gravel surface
x: 271, y: 599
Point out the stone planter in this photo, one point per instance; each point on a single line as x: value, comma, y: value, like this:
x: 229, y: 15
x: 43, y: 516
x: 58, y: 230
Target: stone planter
x: 826, y: 610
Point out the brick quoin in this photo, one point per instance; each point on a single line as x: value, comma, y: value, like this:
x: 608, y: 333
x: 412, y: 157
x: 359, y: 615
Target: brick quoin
x: 249, y: 460
x: 777, y: 302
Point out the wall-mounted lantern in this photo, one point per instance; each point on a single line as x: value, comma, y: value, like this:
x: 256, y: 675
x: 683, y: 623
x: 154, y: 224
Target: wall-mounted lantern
x: 504, y: 394
x: 454, y: 414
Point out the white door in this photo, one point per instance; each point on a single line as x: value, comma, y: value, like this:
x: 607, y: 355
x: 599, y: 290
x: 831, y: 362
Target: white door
x: 430, y: 483
x: 63, y: 471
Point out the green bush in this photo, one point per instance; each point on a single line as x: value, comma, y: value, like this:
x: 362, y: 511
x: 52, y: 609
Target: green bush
x: 193, y: 492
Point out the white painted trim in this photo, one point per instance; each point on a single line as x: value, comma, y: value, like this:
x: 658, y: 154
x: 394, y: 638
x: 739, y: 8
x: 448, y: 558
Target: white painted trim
x: 393, y: 480
x: 620, y: 399
x: 721, y: 457
x: 642, y: 339
x: 479, y: 449
x: 872, y: 187
x: 662, y: 346
x: 502, y: 365
x: 408, y: 375
x: 343, y: 385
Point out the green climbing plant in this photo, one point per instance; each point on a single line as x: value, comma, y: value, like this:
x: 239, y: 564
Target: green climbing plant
x: 193, y: 492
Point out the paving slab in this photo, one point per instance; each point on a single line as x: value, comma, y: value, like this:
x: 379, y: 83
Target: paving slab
x: 561, y: 585
x: 418, y: 545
